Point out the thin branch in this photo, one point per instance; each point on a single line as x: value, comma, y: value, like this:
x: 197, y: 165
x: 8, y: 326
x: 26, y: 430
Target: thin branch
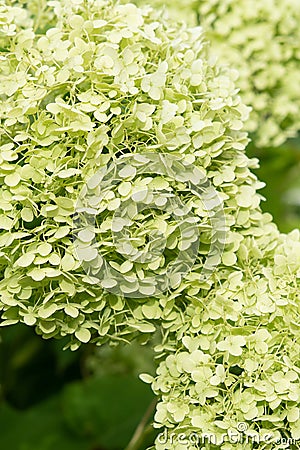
x: 142, y: 429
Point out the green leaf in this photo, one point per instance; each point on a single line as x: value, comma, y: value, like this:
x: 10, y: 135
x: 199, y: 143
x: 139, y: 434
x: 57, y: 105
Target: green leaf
x: 102, y: 409
x: 39, y: 427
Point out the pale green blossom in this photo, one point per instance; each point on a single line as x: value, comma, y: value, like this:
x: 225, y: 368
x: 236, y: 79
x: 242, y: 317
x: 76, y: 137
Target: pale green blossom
x: 242, y: 369
x: 261, y: 40
x: 99, y: 81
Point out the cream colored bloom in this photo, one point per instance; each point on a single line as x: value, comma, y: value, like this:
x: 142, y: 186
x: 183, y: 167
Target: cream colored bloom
x: 261, y: 40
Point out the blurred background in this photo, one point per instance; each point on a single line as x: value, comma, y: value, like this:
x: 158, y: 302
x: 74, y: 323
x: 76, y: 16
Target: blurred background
x: 280, y: 170
x: 91, y: 399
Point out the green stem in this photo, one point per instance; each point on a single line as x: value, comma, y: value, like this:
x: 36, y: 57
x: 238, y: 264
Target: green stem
x: 142, y: 429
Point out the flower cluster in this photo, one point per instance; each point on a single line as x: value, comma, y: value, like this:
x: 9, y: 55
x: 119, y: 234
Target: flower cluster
x: 261, y: 41
x: 185, y: 10
x: 91, y: 102
x: 108, y: 81
x: 234, y: 359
